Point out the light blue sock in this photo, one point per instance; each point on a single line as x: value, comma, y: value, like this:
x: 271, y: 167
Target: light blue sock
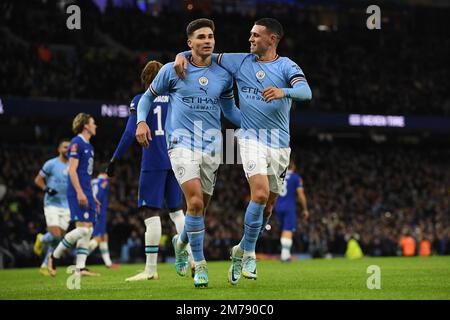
x: 47, y: 238
x: 49, y: 250
x: 183, y: 236
x: 252, y: 225
x: 195, y: 229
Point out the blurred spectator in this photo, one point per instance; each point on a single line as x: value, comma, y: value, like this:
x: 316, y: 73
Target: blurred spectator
x: 408, y: 245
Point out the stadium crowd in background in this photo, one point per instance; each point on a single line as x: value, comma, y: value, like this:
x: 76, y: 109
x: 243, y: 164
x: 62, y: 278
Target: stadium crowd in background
x: 349, y: 69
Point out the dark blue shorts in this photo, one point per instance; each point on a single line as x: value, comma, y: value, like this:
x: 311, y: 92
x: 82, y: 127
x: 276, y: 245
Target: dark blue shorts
x: 82, y: 214
x: 287, y: 219
x: 159, y: 188
x: 100, y: 225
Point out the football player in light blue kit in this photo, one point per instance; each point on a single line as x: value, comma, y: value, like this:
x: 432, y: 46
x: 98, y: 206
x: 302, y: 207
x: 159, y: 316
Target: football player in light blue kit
x: 158, y: 187
x: 52, y: 179
x: 193, y: 131
x: 285, y: 209
x: 82, y: 203
x: 267, y: 84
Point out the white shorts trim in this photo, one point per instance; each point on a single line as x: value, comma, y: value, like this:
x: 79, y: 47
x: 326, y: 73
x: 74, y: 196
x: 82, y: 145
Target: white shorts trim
x: 258, y: 158
x: 188, y: 165
x: 57, y: 217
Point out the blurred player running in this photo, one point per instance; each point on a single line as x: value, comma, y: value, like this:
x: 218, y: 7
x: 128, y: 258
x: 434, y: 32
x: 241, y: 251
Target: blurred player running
x: 83, y: 206
x: 285, y: 209
x: 52, y: 179
x: 267, y: 84
x: 100, y: 188
x: 193, y: 135
x: 158, y: 186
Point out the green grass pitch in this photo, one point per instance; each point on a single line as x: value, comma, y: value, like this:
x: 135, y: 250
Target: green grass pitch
x: 401, y: 278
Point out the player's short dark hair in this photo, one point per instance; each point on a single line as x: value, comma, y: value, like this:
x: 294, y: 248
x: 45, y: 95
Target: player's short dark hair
x: 149, y: 72
x: 103, y: 167
x: 60, y: 141
x: 80, y: 121
x: 272, y: 25
x: 198, y: 24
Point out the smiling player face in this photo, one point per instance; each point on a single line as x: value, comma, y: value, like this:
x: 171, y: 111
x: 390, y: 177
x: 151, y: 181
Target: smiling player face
x: 260, y: 40
x: 202, y: 42
x: 63, y: 148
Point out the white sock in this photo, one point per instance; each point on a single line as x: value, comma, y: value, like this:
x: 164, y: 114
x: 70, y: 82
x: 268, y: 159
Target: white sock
x: 178, y: 219
x: 152, y: 240
x: 68, y: 241
x: 286, y: 244
x: 93, y: 244
x: 239, y: 251
x: 104, y: 250
x: 83, y: 248
x: 249, y: 254
x: 197, y: 263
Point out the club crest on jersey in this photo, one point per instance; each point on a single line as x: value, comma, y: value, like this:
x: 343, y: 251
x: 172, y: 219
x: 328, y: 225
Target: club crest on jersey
x: 86, y: 215
x: 203, y: 81
x: 251, y: 165
x: 180, y: 172
x: 260, y: 75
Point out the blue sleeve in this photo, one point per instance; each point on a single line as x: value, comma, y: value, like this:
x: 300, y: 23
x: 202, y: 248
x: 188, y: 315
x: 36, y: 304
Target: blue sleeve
x: 230, y: 111
x: 231, y: 61
x: 300, y: 92
x: 75, y: 150
x: 295, y: 76
x: 46, y: 169
x: 299, y: 182
x: 159, y: 85
x: 228, y: 105
x: 127, y: 138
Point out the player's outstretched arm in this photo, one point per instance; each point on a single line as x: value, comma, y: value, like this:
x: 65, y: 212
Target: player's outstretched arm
x: 125, y: 142
x: 230, y: 111
x: 143, y: 134
x: 229, y: 61
x: 303, y: 202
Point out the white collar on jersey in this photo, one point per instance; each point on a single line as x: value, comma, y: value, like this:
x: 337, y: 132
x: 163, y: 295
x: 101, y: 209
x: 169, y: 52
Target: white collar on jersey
x: 81, y: 136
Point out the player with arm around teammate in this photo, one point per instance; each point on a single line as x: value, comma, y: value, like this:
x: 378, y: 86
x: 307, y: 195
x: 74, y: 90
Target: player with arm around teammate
x: 267, y: 84
x: 193, y: 135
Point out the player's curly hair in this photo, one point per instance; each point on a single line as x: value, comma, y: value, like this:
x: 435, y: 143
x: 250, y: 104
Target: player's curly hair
x: 149, y: 72
x: 79, y: 122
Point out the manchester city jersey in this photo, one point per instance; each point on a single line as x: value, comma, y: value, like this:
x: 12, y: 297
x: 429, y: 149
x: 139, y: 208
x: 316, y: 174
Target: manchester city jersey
x: 193, y: 119
x: 55, y: 173
x: 267, y: 122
